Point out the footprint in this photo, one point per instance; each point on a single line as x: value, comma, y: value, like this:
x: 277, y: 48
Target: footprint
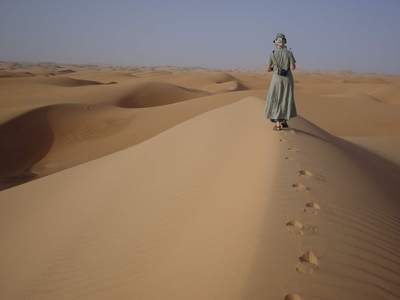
x: 282, y: 140
x: 289, y: 158
x: 298, y: 228
x: 293, y: 149
x: 292, y: 297
x: 306, y: 173
x: 300, y: 187
x: 312, y: 207
x: 308, y: 263
x: 295, y: 227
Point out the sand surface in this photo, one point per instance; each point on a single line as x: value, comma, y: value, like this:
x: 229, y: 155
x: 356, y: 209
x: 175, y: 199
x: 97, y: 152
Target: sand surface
x: 168, y: 183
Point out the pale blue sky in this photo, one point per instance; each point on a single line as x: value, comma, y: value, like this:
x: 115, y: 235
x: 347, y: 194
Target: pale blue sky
x: 329, y: 35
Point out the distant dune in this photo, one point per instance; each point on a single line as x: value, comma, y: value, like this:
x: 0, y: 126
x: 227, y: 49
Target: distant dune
x: 171, y: 184
x: 69, y: 82
x: 365, y: 79
x: 158, y: 93
x: 389, y: 94
x: 8, y: 74
x: 228, y: 86
x: 65, y: 71
x: 147, y: 74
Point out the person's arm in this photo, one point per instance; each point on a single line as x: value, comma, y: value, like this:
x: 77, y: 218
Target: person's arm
x: 269, y: 64
x: 292, y: 61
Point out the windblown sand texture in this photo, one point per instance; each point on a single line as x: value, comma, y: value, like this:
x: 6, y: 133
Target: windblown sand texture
x: 169, y: 183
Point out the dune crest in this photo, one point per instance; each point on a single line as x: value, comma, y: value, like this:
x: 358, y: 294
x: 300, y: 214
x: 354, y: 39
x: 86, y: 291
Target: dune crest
x: 158, y: 93
x: 227, y: 86
x: 69, y: 82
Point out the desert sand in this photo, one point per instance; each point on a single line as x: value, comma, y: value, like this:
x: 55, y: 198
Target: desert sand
x: 169, y: 183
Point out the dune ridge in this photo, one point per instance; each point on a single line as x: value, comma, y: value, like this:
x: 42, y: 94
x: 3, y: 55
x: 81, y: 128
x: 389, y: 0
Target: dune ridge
x: 344, y: 232
x: 227, y: 86
x: 69, y: 82
x: 158, y: 93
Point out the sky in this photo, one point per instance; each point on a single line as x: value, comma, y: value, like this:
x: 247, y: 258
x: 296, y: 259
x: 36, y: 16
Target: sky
x: 357, y: 35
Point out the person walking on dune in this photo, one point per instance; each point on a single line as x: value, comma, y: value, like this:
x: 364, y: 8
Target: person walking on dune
x: 280, y: 106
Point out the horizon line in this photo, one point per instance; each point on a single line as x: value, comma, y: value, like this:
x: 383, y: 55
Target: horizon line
x: 254, y: 69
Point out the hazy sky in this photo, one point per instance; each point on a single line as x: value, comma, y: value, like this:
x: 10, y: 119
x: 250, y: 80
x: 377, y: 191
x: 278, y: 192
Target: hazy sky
x: 342, y: 34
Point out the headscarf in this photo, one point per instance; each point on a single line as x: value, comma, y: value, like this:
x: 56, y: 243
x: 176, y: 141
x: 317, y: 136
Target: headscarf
x: 280, y: 39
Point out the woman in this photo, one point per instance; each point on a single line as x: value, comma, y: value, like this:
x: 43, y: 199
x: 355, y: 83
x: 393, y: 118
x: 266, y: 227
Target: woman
x: 280, y: 106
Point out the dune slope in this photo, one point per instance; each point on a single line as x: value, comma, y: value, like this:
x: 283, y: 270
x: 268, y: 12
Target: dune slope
x: 51, y: 138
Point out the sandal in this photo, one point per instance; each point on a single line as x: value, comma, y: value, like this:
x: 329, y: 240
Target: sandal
x: 277, y: 128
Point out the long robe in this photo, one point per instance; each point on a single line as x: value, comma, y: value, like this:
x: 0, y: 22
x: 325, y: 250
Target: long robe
x: 280, y: 97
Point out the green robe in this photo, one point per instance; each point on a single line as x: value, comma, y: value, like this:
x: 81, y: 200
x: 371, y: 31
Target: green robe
x: 280, y: 97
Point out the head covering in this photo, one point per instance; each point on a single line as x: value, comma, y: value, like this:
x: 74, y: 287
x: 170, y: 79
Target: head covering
x: 280, y: 39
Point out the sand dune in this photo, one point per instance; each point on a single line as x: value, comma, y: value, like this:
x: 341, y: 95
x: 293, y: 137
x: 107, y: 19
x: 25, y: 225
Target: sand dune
x: 8, y: 74
x: 88, y: 132
x: 26, y: 69
x: 105, y: 76
x: 365, y: 79
x: 204, y: 80
x: 68, y: 134
x: 207, y: 217
x: 157, y: 93
x: 145, y: 74
x: 65, y: 71
x: 69, y: 82
x: 385, y: 146
x: 171, y: 184
x: 351, y: 110
x: 219, y: 77
x: 389, y: 94
x: 224, y: 87
x: 49, y: 134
